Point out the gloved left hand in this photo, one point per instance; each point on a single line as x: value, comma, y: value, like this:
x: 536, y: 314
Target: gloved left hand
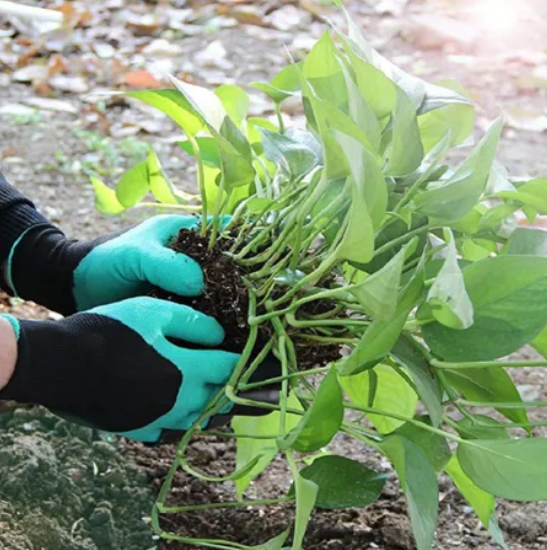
x: 70, y: 276
x: 114, y: 367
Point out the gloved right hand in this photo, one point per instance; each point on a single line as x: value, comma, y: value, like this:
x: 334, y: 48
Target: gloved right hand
x: 115, y: 368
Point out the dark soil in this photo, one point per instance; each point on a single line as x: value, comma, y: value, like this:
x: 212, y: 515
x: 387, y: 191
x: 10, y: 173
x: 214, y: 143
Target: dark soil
x: 226, y: 298
x: 225, y: 295
x: 62, y: 487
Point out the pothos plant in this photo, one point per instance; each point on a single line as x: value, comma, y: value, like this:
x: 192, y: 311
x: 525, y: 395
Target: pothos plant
x: 388, y: 282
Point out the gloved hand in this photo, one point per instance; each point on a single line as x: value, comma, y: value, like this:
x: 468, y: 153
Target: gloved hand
x: 114, y: 367
x: 70, y: 276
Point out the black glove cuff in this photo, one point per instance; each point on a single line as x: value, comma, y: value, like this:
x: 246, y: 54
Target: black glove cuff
x: 42, y: 265
x: 92, y: 368
x: 17, y: 214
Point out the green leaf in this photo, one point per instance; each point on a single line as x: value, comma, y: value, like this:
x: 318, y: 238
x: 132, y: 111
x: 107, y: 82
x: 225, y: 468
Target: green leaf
x: 106, y: 201
x: 482, y: 502
x: 235, y: 101
x: 461, y: 192
x: 205, y: 105
x: 208, y: 149
x: 233, y: 134
x: 378, y: 292
x: 160, y: 185
x: 361, y: 113
x: 540, y: 343
x: 406, y: 152
x: 433, y: 445
x: 343, y: 483
x: 527, y: 241
x: 393, y: 395
x: 306, y: 493
x: 276, y: 543
x: 367, y: 176
x: 248, y: 448
x: 321, y: 421
x: 133, y: 185
x: 323, y: 71
x: 419, y: 482
x: 294, y: 159
x: 455, y: 119
x: 174, y: 105
x: 447, y: 296
x: 284, y: 84
x: 472, y: 430
x: 488, y: 385
x: 237, y: 169
x: 508, y: 295
x: 514, y: 469
x: 381, y: 336
x: 407, y: 354
x: 377, y: 89
x: 357, y: 244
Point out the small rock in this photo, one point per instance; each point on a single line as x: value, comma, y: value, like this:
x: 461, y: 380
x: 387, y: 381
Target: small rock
x: 30, y: 73
x: 103, y: 50
x: 72, y: 84
x: 213, y: 55
x: 287, y: 18
x: 162, y: 48
x: 430, y: 31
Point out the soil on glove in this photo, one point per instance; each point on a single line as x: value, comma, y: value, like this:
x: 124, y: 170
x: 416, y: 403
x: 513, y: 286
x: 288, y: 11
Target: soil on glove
x: 226, y: 299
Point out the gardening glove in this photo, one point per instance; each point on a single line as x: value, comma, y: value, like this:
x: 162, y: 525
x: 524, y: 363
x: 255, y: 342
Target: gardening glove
x: 114, y: 367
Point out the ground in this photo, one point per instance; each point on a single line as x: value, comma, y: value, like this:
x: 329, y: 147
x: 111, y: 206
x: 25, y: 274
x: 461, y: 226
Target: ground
x: 499, y: 56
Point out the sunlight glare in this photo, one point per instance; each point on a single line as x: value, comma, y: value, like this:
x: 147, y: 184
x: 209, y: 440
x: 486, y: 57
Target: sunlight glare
x: 499, y: 16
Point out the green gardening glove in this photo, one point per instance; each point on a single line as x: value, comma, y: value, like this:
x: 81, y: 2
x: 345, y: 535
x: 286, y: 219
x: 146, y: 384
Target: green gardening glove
x: 115, y: 367
x: 70, y: 276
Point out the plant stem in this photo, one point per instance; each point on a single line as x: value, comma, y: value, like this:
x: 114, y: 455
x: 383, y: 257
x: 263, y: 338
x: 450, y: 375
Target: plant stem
x: 216, y: 506
x: 192, y: 208
x: 403, y: 239
x: 402, y: 418
x: 218, y: 202
x: 201, y: 183
x: 280, y: 121
x: 486, y: 364
x: 504, y: 405
x: 289, y: 376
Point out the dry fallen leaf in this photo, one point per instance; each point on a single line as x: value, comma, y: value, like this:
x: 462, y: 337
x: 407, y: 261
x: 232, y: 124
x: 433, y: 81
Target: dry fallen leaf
x: 141, y: 78
x: 527, y: 120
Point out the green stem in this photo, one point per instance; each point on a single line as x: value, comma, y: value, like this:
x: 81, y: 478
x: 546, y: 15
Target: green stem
x: 192, y: 208
x: 216, y: 217
x: 416, y: 423
x: 309, y: 279
x: 503, y: 405
x: 201, y: 183
x: 289, y: 376
x: 280, y: 121
x: 216, y: 506
x: 403, y: 239
x: 487, y: 364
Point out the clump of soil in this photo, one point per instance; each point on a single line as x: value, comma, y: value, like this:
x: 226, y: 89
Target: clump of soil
x: 225, y: 295
x: 63, y: 488
x: 226, y: 298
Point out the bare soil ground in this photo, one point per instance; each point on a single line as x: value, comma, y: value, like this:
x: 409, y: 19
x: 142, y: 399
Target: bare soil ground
x: 47, y: 156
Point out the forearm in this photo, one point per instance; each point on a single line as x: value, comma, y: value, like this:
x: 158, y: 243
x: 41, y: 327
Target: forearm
x: 8, y: 352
